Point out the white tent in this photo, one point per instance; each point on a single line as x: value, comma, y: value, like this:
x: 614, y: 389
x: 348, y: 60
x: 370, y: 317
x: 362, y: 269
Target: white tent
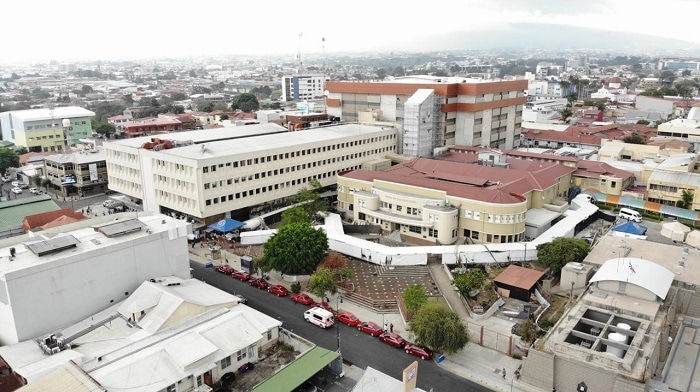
x: 693, y: 239
x: 675, y: 230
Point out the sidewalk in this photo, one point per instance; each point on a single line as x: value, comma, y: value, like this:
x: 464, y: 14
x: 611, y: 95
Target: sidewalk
x: 475, y: 363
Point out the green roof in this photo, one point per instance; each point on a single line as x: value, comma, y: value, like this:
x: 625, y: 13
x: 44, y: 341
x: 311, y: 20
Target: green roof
x: 12, y: 212
x: 298, y: 371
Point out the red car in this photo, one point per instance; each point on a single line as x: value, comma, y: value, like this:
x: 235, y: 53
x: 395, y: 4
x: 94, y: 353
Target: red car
x: 370, y: 328
x: 278, y: 290
x: 258, y: 282
x: 225, y: 268
x: 418, y: 351
x: 241, y: 275
x: 302, y: 298
x: 323, y: 305
x: 348, y: 318
x: 393, y: 339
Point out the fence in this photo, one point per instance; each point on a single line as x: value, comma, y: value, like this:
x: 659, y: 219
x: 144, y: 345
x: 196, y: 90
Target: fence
x: 491, y: 339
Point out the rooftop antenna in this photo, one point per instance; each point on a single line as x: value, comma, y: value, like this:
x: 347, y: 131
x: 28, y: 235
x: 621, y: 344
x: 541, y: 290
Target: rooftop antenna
x: 301, y: 66
x: 323, y: 53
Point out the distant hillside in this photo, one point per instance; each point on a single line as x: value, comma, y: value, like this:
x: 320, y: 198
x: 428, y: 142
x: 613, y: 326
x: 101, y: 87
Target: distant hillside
x: 549, y: 37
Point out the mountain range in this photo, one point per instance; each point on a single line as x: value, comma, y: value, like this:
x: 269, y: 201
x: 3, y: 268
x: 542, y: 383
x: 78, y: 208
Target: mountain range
x: 534, y: 36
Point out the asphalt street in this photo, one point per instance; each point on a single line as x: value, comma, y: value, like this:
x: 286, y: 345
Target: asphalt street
x: 357, y: 348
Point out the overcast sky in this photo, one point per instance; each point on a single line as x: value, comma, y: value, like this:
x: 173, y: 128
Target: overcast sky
x: 43, y: 30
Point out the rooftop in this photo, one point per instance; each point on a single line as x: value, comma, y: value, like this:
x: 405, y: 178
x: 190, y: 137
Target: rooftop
x: 516, y: 276
x: 49, y: 114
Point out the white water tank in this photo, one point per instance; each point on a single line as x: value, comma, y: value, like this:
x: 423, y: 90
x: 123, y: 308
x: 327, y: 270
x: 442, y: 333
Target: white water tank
x: 618, y: 338
x: 625, y: 326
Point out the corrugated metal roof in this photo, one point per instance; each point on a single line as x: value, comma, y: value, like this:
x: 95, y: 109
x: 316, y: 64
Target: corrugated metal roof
x: 68, y: 377
x: 640, y: 272
x: 516, y: 276
x: 298, y: 371
x: 12, y: 212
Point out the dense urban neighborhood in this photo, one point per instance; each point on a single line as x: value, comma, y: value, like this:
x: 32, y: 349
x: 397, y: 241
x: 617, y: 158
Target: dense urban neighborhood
x: 474, y: 220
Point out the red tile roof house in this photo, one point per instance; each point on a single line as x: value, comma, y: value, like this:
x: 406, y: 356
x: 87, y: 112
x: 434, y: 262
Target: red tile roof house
x: 51, y: 219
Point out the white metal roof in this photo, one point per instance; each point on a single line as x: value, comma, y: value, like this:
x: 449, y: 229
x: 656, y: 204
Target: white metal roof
x: 640, y: 272
x: 48, y: 114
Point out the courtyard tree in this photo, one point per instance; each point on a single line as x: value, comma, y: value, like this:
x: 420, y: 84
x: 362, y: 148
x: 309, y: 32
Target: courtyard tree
x: 686, y: 200
x: 414, y: 297
x: 322, y: 282
x: 36, y: 180
x: 45, y: 182
x: 105, y: 130
x: 439, y: 328
x: 294, y: 215
x: 296, y: 249
x: 561, y: 251
x: 311, y: 199
x: 634, y: 138
x: 471, y: 280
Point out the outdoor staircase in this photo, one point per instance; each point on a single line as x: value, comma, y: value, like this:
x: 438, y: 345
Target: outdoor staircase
x: 378, y: 306
x: 401, y: 271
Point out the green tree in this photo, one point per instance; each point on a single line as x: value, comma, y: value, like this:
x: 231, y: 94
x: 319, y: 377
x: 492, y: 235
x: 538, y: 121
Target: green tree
x: 294, y: 215
x: 311, y: 198
x: 634, y: 138
x: 245, y: 102
x: 562, y: 250
x: 528, y: 332
x: 439, y: 328
x: 473, y: 279
x: 296, y: 249
x: 322, y: 282
x: 643, y: 122
x: 86, y: 89
x: 223, y: 117
x: 105, y: 130
x: 45, y: 182
x: 36, y: 180
x: 686, y: 200
x: 381, y: 73
x: 414, y: 297
x: 178, y: 96
x: 8, y: 159
x: 652, y: 92
x: 566, y: 113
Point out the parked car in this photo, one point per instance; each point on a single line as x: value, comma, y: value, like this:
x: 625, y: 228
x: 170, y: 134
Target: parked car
x: 419, y: 351
x: 278, y: 290
x: 15, y: 184
x: 393, y: 339
x: 323, y: 305
x: 6, y: 179
x: 34, y: 191
x: 258, y: 282
x: 348, y: 318
x: 302, y: 298
x: 23, y: 185
x: 16, y: 190
x: 225, y: 269
x: 241, y: 275
x: 241, y: 299
x: 370, y: 328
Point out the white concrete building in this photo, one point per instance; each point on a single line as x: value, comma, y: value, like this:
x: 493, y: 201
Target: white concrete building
x: 42, y: 130
x: 61, y: 275
x: 542, y: 111
x: 169, y: 335
x: 220, y: 171
x: 301, y: 87
x: 684, y: 128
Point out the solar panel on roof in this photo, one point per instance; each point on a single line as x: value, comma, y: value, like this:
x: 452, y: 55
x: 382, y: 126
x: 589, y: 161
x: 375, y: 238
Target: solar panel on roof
x: 121, y: 227
x: 53, y: 245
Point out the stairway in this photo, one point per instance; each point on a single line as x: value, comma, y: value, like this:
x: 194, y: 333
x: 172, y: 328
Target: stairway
x: 401, y: 271
x: 379, y: 306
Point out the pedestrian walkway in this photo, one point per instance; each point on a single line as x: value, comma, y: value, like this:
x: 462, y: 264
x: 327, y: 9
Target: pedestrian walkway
x: 475, y: 363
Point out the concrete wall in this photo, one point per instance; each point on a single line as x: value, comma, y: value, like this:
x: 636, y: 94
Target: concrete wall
x: 538, y: 370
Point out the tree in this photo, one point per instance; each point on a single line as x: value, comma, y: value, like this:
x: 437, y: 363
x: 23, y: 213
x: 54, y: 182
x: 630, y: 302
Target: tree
x: 45, y: 182
x: 105, y: 130
x: 8, y: 159
x: 686, y: 200
x: 528, y: 332
x: 381, y: 73
x: 294, y: 215
x: 652, y: 92
x: 296, y: 249
x: 473, y: 279
x: 322, y: 282
x: 223, y: 117
x: 634, y: 138
x: 313, y: 202
x: 566, y: 113
x: 246, y: 102
x: 36, y: 180
x: 86, y: 89
x: 439, y: 328
x: 414, y: 297
x: 643, y: 122
x: 561, y: 251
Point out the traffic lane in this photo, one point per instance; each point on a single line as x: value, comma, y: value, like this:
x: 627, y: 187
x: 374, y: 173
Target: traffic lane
x: 357, y: 347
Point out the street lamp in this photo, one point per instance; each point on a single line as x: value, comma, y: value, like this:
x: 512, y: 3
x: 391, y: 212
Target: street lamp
x: 338, y: 301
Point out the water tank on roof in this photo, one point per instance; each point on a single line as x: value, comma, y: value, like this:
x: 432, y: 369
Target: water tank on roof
x: 618, y: 338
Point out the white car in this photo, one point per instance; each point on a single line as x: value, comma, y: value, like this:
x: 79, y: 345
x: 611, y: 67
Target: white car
x: 15, y: 184
x: 16, y: 190
x: 6, y: 179
x: 34, y: 191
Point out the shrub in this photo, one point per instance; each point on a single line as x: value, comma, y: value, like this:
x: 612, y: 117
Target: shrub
x: 296, y: 287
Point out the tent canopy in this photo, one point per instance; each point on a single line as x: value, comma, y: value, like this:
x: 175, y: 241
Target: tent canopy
x: 225, y: 225
x: 674, y: 230
x: 631, y: 228
x: 693, y: 238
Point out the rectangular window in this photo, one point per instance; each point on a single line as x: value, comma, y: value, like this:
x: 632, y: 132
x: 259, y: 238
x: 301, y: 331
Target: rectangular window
x: 241, y: 354
x: 226, y: 362
x: 414, y: 229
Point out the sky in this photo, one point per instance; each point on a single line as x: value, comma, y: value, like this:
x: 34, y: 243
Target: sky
x: 70, y: 30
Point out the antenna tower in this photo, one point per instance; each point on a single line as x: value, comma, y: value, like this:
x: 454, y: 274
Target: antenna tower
x: 301, y: 65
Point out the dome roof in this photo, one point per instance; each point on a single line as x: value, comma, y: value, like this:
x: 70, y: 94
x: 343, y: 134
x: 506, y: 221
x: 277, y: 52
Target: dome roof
x: 615, y: 79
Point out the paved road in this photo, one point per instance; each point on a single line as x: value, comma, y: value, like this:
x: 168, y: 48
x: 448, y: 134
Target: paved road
x: 357, y: 348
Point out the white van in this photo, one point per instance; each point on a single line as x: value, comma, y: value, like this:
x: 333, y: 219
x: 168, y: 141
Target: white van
x: 319, y: 316
x: 629, y: 214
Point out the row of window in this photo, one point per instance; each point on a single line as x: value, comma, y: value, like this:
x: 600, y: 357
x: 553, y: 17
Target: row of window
x: 495, y: 218
x: 409, y: 210
x: 663, y: 188
x: 52, y: 125
x: 300, y: 153
x: 493, y: 238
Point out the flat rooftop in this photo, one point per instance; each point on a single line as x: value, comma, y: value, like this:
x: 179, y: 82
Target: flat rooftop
x: 667, y: 256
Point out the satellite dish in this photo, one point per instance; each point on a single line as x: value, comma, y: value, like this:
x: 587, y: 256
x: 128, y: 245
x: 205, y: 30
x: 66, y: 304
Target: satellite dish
x: 66, y: 122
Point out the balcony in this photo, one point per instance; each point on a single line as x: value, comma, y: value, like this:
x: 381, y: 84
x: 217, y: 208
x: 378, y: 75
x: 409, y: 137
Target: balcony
x: 395, y: 218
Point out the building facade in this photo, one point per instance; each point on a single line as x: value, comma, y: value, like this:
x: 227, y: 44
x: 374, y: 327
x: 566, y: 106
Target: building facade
x: 80, y: 174
x: 302, y: 87
x: 465, y: 111
x: 41, y: 130
x: 223, y: 172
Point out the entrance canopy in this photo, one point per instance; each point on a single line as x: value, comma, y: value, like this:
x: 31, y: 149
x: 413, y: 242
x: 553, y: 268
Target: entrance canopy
x: 226, y: 225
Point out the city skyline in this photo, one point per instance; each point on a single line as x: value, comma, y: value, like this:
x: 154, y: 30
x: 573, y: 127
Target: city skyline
x: 78, y: 30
